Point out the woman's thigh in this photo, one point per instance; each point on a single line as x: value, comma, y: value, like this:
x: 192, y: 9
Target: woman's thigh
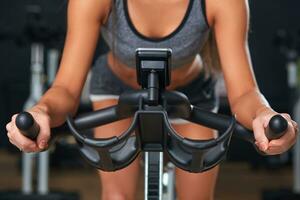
x: 195, y: 186
x: 121, y: 184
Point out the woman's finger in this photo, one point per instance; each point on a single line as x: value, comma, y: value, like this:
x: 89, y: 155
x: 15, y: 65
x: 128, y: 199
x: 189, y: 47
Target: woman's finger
x: 259, y: 134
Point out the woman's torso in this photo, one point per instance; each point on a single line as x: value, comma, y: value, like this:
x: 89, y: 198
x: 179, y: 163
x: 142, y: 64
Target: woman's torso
x: 180, y: 25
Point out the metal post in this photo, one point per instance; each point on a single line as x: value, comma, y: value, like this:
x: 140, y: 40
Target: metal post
x: 43, y: 172
x: 169, y: 182
x: 296, y: 163
x: 36, y: 91
x: 297, y: 166
x: 27, y: 172
x: 53, y: 57
x: 292, y: 82
x: 153, y: 175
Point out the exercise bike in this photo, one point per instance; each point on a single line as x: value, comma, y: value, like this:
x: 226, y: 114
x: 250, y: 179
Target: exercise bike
x: 150, y: 131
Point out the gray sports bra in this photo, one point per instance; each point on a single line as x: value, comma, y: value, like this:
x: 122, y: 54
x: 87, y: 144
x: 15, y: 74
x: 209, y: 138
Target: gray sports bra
x: 185, y: 41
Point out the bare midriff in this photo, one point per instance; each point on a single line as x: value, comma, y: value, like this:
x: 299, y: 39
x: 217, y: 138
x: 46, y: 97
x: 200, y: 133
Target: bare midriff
x: 179, y: 76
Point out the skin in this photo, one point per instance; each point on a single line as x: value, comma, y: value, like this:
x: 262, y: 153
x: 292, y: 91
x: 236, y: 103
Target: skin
x: 228, y: 19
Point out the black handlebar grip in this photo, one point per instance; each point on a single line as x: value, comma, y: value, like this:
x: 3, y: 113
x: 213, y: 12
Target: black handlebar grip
x: 27, y: 125
x: 277, y: 127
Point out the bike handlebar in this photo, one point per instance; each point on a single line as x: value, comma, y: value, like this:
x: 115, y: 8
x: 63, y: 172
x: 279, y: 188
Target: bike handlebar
x: 276, y: 128
x: 27, y: 125
x: 153, y: 132
x: 97, y: 118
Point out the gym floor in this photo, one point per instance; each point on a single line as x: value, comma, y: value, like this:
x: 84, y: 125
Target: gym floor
x: 236, y: 180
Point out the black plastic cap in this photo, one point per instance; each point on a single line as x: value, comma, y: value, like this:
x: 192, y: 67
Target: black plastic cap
x: 24, y: 121
x: 278, y: 124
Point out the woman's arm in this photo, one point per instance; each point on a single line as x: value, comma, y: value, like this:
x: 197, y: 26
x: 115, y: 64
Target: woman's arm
x: 230, y: 21
x: 84, y: 20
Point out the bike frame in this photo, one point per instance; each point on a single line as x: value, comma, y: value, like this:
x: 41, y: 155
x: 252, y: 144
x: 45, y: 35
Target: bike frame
x: 150, y: 125
x: 151, y: 107
x: 153, y: 175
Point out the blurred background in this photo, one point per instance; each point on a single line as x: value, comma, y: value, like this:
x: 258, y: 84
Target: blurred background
x: 37, y: 27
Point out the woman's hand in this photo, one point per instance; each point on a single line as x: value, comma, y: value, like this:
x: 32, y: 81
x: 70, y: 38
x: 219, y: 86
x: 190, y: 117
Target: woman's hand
x: 276, y: 146
x: 25, y: 144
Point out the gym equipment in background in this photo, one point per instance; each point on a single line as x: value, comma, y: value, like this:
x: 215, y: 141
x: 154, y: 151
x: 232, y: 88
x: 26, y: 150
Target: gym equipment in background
x: 289, y: 45
x: 37, y: 35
